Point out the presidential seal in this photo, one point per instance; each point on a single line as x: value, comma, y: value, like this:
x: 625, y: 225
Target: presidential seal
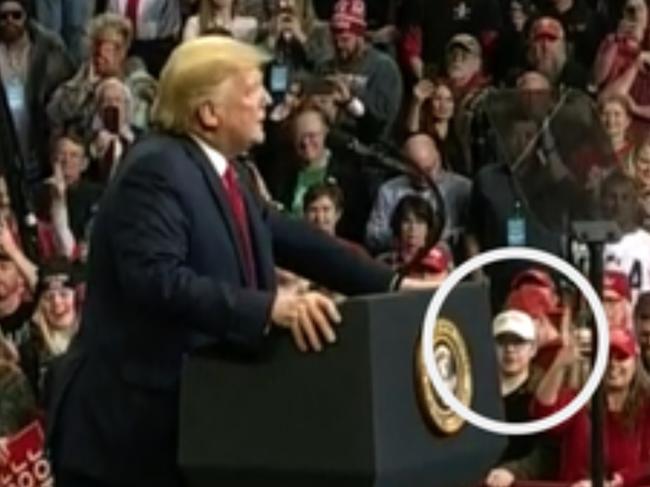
x: 452, y: 359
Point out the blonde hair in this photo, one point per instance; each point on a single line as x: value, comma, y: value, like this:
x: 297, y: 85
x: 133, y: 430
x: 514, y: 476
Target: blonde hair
x: 111, y: 22
x: 192, y: 74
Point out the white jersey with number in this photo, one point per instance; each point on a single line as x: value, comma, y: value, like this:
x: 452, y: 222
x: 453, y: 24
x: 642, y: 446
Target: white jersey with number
x: 631, y: 255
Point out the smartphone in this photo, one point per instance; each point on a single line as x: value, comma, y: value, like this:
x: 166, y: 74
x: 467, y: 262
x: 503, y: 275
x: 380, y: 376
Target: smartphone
x: 279, y: 79
x: 111, y: 119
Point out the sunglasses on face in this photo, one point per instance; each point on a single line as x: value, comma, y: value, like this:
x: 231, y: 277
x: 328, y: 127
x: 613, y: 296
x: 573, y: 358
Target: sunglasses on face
x: 11, y: 14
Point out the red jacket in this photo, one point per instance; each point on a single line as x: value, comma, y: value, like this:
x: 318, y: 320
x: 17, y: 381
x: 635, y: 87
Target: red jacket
x: 627, y: 450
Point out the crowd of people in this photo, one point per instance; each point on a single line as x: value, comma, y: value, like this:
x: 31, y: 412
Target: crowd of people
x: 354, y: 88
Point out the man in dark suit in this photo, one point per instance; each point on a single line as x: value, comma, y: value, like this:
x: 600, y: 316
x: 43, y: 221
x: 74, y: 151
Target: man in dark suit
x: 182, y: 256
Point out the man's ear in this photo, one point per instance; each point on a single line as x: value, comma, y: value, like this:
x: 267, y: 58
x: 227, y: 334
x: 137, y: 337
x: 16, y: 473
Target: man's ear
x: 208, y: 116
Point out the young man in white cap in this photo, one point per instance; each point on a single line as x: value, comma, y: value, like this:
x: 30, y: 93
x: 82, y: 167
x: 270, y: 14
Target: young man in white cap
x: 515, y: 337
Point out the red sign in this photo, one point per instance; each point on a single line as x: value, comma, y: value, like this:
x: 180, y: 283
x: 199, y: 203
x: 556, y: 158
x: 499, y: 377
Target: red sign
x: 27, y: 465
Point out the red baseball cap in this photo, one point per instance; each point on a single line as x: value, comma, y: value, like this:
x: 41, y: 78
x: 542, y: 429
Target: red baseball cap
x: 616, y: 286
x: 622, y: 344
x: 548, y: 28
x: 349, y: 16
x: 533, y: 276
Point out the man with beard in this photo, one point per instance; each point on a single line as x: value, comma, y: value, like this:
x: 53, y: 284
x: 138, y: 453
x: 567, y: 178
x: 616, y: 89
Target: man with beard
x: 581, y: 25
x: 368, y: 82
x: 548, y: 54
x: 33, y: 62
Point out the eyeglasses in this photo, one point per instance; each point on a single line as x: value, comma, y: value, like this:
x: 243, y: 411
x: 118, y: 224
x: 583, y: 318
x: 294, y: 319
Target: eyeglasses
x: 12, y: 14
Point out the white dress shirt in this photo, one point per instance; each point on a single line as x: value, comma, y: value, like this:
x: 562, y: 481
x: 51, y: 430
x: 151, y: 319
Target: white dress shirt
x: 218, y: 162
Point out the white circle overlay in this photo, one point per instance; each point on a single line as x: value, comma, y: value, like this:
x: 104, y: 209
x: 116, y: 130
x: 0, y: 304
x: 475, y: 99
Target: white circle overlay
x: 431, y: 318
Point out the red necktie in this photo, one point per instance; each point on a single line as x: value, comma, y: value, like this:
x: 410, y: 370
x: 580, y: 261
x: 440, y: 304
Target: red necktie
x: 236, y: 200
x: 132, y: 14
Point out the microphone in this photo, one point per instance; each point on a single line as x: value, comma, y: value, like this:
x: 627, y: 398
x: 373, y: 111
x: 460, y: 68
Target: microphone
x: 375, y: 153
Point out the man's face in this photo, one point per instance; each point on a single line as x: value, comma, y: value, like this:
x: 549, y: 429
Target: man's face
x: 243, y: 109
x: 10, y: 280
x: 620, y: 203
x: 514, y: 354
x: 348, y: 45
x: 108, y: 54
x: 70, y: 156
x: 462, y: 64
x: 309, y: 137
x: 323, y: 214
x: 548, y: 55
x: 58, y: 307
x: 12, y: 21
x: 421, y: 151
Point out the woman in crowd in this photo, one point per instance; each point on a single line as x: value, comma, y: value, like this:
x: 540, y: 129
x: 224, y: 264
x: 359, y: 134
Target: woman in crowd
x: 627, y: 415
x: 432, y: 112
x: 413, y: 225
x: 220, y: 17
x: 621, y: 66
x: 615, y: 118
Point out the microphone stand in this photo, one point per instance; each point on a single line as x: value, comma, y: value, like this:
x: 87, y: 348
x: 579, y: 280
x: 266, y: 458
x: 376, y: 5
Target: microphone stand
x: 595, y: 234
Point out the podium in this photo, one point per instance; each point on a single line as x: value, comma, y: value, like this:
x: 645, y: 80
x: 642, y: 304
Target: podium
x: 347, y: 416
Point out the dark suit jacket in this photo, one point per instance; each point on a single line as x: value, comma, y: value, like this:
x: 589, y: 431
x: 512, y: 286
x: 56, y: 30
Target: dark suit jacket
x: 165, y: 278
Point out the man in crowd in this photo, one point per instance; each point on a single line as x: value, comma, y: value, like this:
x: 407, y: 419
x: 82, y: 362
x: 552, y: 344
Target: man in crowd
x: 581, y: 25
x: 429, y: 30
x: 368, y: 81
x: 183, y: 257
x: 515, y: 336
x: 33, y: 62
x: 631, y: 254
x: 548, y: 54
x: 421, y: 151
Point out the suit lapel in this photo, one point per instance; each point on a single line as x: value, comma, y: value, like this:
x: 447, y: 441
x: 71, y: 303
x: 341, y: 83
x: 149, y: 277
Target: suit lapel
x: 219, y: 193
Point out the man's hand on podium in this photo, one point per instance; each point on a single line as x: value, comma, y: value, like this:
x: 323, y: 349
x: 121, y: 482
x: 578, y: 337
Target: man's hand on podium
x: 412, y: 283
x: 499, y: 477
x: 309, y: 317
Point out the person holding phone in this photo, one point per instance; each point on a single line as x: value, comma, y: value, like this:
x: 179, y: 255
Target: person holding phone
x: 111, y: 126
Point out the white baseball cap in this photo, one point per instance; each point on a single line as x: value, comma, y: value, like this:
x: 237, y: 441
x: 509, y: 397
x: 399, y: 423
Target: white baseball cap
x: 515, y: 322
